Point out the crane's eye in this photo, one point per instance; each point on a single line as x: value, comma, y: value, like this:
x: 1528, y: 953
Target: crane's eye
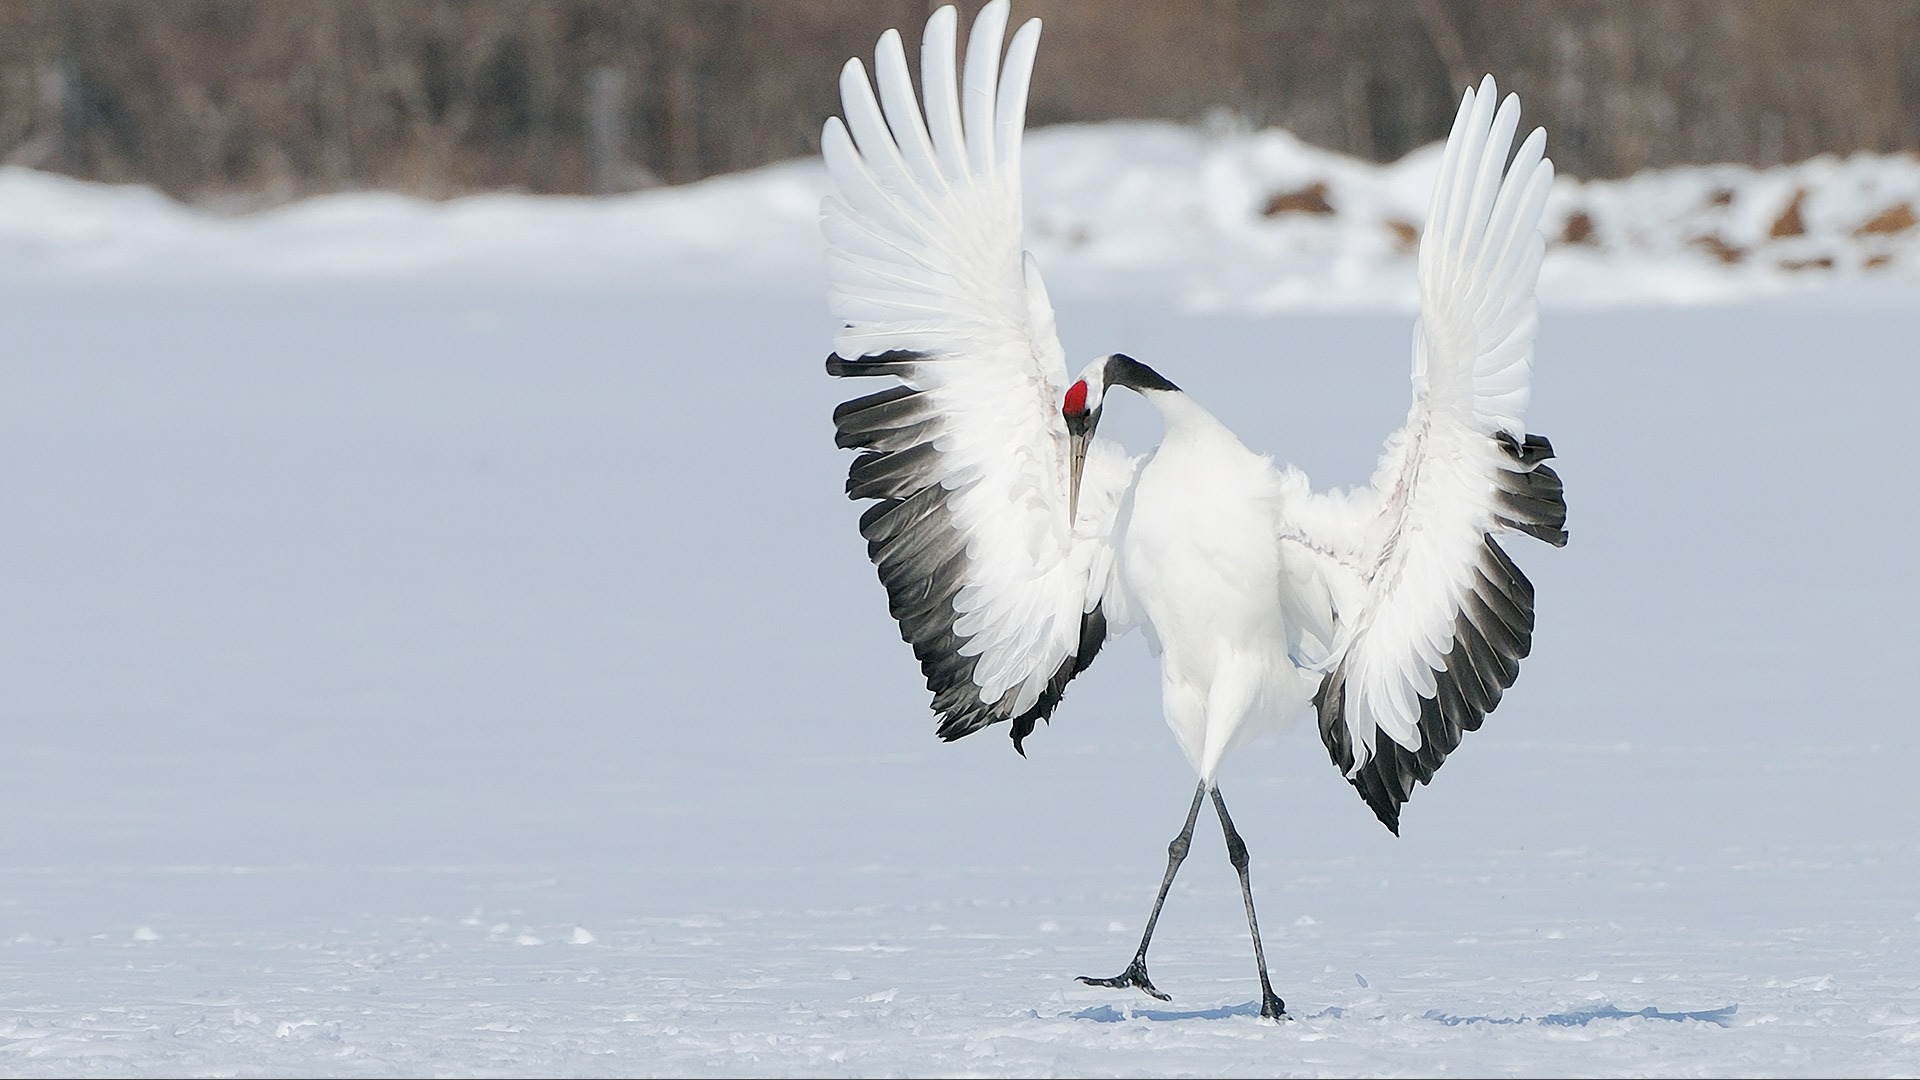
x: 1076, y: 402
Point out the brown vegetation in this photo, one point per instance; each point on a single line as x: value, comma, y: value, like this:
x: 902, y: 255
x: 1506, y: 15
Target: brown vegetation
x: 1895, y: 219
x: 1311, y: 199
x: 1719, y: 249
x: 1790, y: 223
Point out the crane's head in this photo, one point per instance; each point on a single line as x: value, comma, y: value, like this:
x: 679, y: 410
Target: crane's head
x: 1081, y: 406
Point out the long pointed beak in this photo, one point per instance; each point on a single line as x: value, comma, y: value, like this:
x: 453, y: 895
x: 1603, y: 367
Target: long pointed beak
x: 1077, y: 444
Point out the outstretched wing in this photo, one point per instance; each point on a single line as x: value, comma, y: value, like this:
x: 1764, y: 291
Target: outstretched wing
x: 1436, y: 617
x: 967, y: 454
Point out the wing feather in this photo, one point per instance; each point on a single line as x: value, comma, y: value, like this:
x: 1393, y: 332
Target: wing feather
x: 995, y: 587
x: 1010, y: 117
x: 982, y: 78
x: 909, y: 128
x: 941, y: 86
x: 1434, y: 617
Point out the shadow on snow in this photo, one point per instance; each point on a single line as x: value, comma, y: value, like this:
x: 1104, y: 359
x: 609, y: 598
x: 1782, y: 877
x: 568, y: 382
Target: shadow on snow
x: 1108, y: 1014
x: 1582, y: 1017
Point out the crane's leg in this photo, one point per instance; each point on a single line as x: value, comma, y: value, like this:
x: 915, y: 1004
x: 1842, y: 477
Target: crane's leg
x: 1270, y: 1006
x: 1136, y: 973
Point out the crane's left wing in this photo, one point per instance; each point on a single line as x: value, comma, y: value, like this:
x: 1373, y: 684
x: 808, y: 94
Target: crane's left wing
x: 992, y: 583
x: 1432, y: 616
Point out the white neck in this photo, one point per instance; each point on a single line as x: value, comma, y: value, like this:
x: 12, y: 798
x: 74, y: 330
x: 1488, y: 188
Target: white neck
x: 1182, y: 414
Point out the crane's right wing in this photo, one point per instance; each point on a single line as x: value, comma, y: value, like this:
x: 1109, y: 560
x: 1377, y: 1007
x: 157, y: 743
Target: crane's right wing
x: 992, y: 583
x: 1433, y: 616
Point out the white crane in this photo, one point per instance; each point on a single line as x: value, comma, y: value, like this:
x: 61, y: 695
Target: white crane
x: 1012, y: 541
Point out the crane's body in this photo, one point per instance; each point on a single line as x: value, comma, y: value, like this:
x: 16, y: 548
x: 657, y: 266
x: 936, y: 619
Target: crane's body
x: 1202, y: 574
x: 1012, y: 539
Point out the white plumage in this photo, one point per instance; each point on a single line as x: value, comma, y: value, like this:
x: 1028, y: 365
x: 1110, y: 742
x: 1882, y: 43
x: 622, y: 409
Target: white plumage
x: 1012, y: 539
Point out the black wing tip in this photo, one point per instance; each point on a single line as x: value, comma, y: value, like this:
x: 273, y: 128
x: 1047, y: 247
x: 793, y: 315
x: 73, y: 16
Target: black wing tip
x: 920, y: 564
x: 1093, y: 635
x: 1022, y: 727
x: 1330, y: 701
x: 1380, y: 796
x: 874, y: 400
x: 1532, y: 499
x: 960, y: 722
x: 891, y: 474
x: 1388, y: 813
x: 968, y: 717
x: 1556, y: 537
x: 1530, y: 451
x: 1493, y: 632
x: 891, y: 362
x: 962, y: 714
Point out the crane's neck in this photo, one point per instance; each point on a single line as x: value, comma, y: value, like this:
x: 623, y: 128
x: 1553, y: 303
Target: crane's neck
x: 1184, y: 417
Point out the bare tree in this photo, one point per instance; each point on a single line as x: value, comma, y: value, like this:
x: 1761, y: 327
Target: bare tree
x: 268, y: 100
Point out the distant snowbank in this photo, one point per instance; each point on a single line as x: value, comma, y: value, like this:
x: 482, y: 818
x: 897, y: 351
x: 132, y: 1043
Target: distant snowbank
x: 1259, y: 221
x: 756, y: 223
x: 1227, y: 220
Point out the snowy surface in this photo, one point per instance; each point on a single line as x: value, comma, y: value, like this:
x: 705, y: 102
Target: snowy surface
x: 434, y: 642
x: 1205, y: 219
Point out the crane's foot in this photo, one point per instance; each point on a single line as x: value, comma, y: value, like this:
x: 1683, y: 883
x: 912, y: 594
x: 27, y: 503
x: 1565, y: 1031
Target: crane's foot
x: 1272, y: 1008
x: 1135, y: 975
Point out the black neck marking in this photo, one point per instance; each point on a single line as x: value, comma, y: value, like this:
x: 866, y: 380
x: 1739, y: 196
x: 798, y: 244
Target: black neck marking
x: 1124, y: 370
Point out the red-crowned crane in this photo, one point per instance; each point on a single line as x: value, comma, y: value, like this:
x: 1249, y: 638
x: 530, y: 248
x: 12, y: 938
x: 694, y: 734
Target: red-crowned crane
x: 1012, y: 541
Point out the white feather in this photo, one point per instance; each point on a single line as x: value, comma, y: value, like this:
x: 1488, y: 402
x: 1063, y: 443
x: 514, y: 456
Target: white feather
x: 1479, y: 264
x: 1250, y: 587
x: 925, y: 254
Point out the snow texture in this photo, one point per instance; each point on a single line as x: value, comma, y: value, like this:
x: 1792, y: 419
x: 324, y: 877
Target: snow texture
x: 1207, y: 219
x: 434, y: 642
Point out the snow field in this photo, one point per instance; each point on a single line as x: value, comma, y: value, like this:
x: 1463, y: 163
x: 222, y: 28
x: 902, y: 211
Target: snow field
x: 435, y: 642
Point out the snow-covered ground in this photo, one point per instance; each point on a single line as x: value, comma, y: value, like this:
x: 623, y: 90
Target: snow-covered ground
x: 1208, y: 220
x: 433, y: 642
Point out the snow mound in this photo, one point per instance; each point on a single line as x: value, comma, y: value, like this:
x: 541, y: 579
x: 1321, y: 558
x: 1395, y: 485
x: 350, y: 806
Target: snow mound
x: 1261, y: 221
x: 1207, y: 218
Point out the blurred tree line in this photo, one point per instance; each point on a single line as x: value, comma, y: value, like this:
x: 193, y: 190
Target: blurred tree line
x: 272, y: 99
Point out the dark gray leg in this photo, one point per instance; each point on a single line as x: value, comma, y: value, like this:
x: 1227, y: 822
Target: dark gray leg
x: 1270, y: 1006
x: 1136, y: 973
